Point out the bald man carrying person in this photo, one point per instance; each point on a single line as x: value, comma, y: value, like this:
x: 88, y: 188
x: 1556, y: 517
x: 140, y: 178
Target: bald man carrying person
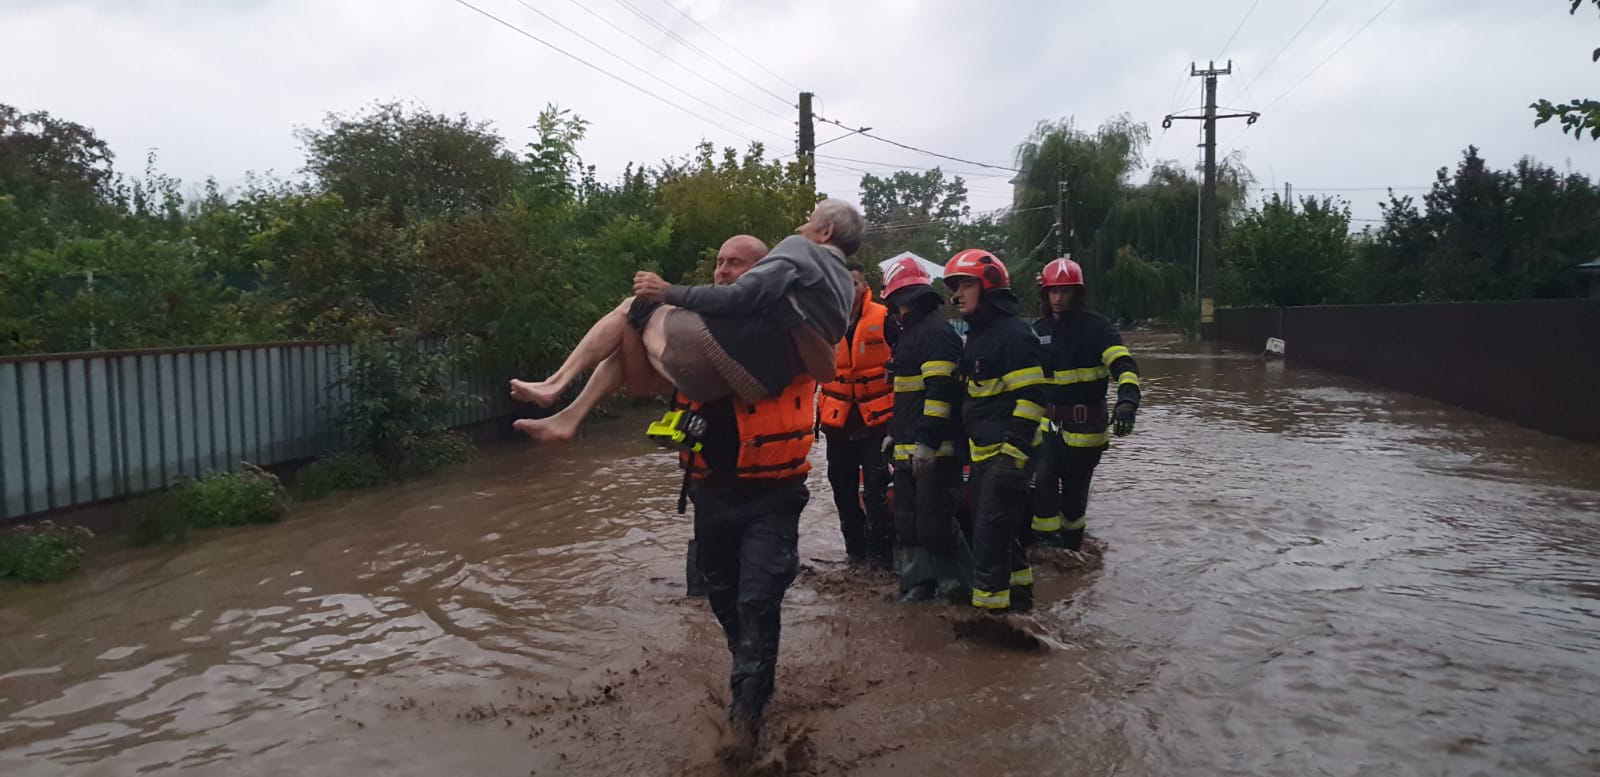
x: 749, y: 339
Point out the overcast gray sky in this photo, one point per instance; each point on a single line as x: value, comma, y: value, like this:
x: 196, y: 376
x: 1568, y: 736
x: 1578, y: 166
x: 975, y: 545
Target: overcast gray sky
x: 218, y: 87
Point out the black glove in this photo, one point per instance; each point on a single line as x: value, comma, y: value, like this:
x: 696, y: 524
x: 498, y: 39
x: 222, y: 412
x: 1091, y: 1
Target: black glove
x: 1122, y: 418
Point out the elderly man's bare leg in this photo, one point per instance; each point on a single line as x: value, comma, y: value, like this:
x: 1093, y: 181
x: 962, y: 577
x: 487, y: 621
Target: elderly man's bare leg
x: 602, y: 340
x: 631, y: 367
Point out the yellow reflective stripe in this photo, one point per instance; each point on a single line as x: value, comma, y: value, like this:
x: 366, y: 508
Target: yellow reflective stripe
x: 1076, y: 525
x: 1128, y: 377
x: 1022, y: 576
x: 947, y: 449
x: 1080, y: 375
x: 1114, y: 353
x: 1095, y: 440
x: 938, y: 369
x: 1025, y: 377
x: 904, y: 383
x: 935, y: 408
x: 1047, y: 523
x: 986, y: 452
x: 1031, y: 411
x: 979, y: 389
x: 991, y: 600
x: 1011, y: 381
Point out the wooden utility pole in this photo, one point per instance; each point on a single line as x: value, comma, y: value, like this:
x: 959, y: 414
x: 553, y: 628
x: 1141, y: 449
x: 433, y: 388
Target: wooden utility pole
x: 1210, y: 226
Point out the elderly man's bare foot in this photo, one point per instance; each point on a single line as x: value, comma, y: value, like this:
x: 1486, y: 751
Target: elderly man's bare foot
x: 552, y: 429
x: 542, y: 393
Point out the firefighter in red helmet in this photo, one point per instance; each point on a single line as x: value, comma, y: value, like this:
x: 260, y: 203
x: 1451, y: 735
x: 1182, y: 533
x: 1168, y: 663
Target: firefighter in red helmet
x: 931, y: 554
x: 1083, y: 353
x: 1001, y: 412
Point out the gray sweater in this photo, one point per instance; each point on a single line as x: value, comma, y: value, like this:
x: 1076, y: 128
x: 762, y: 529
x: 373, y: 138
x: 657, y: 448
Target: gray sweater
x: 798, y: 282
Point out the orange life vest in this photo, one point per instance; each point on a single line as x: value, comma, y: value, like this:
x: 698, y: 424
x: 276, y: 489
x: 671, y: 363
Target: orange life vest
x: 775, y: 434
x: 862, y: 365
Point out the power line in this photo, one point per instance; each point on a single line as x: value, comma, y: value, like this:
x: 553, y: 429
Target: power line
x: 735, y: 49
x: 668, y: 57
x: 911, y: 167
x: 1292, y: 39
x: 864, y: 133
x: 1237, y: 29
x: 1362, y: 188
x: 696, y: 49
x: 601, y: 70
x: 1329, y: 58
x: 665, y: 82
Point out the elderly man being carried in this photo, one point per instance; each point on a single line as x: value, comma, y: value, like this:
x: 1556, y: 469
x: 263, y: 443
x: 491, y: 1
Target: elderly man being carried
x: 748, y: 340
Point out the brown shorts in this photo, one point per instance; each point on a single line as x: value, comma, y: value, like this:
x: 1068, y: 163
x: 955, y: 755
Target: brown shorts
x: 690, y: 357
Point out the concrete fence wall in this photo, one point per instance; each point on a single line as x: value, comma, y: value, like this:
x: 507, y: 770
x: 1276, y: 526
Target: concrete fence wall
x: 85, y: 427
x: 1535, y: 362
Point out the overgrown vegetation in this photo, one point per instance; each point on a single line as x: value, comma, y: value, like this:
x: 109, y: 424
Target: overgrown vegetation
x: 411, y: 224
x: 219, y: 499
x: 41, y: 552
x: 1480, y: 234
x: 343, y: 471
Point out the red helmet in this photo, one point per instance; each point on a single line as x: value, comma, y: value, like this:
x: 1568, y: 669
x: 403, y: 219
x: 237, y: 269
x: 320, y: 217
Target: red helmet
x: 904, y: 274
x: 980, y: 264
x: 1061, y: 272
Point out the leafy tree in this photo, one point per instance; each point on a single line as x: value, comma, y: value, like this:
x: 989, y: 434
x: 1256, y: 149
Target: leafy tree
x: 912, y: 211
x: 1097, y: 166
x: 1580, y: 114
x: 1278, y: 255
x: 713, y: 196
x: 1483, y: 234
x: 54, y: 179
x: 409, y: 161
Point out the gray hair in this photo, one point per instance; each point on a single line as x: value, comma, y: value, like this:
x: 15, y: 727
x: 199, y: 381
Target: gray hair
x: 848, y: 225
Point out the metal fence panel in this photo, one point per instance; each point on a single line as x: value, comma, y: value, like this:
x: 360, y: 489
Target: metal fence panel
x: 81, y: 428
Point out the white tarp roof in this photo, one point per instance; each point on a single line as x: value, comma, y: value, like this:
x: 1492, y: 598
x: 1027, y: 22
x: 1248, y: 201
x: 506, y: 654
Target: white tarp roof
x: 936, y: 271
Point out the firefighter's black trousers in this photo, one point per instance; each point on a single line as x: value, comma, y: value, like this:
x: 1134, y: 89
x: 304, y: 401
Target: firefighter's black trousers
x: 925, y: 523
x: 1061, y: 491
x: 860, y: 478
x: 1002, y: 578
x: 746, y: 539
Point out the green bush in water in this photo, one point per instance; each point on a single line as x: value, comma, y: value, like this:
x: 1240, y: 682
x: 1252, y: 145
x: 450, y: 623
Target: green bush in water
x: 42, y: 553
x: 423, y: 455
x: 218, y: 499
x: 347, y: 470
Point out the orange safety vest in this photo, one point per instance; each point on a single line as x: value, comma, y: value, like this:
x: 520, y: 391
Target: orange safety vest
x: 775, y: 434
x: 862, y: 365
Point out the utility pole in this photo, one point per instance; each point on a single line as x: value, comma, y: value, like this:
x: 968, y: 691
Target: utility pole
x: 808, y: 139
x: 1210, y: 227
x: 1288, y: 195
x: 1061, y: 211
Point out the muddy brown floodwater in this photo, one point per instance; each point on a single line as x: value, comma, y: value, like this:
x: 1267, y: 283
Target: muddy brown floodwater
x: 1304, y: 575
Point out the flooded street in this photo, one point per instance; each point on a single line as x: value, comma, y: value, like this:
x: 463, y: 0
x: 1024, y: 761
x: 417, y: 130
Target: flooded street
x: 1304, y: 575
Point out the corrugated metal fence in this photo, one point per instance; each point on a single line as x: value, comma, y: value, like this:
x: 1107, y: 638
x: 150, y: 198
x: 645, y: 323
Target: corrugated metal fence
x: 1532, y: 362
x: 84, y: 427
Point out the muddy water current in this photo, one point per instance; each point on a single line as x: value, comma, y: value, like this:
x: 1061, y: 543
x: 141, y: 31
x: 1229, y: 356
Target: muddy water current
x: 1302, y: 575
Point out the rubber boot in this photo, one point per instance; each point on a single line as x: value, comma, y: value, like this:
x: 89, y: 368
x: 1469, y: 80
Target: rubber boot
x: 1021, y: 598
x: 695, y: 582
x: 1072, y: 539
x: 1048, y: 539
x: 916, y: 570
